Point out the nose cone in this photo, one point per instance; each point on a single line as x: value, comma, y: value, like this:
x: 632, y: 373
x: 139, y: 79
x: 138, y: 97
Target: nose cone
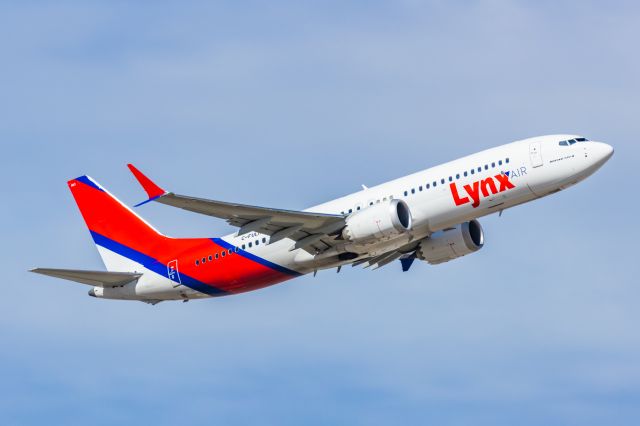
x: 601, y: 152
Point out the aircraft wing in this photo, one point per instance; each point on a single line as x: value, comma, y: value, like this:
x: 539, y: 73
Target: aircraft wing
x: 313, y: 232
x: 93, y: 278
x: 406, y: 254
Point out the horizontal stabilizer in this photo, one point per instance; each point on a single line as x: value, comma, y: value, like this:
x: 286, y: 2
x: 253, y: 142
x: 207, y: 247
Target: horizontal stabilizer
x: 94, y: 278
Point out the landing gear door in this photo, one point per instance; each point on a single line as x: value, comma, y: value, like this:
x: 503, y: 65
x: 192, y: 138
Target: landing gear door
x: 172, y: 272
x: 535, y: 155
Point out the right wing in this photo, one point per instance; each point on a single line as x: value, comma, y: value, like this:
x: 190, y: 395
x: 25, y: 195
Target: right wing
x: 406, y: 254
x: 313, y: 232
x: 93, y: 278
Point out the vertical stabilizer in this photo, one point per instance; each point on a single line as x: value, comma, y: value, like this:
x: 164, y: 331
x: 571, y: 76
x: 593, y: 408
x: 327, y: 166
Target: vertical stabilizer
x: 120, y: 234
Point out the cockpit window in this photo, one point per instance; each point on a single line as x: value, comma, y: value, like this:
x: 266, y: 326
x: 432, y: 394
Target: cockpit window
x: 572, y: 141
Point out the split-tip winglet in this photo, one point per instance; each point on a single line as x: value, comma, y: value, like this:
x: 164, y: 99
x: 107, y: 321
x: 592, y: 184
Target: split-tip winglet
x: 153, y: 191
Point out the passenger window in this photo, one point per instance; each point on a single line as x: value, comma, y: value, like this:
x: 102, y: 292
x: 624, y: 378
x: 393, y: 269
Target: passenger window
x: 500, y: 163
x: 236, y: 249
x: 413, y: 190
x: 507, y: 160
x: 486, y: 167
x: 371, y: 202
x: 419, y: 189
x: 457, y: 175
x: 197, y: 262
x: 257, y: 242
x: 465, y: 174
x: 210, y: 258
x: 450, y: 179
x: 493, y: 165
x: 350, y: 211
x: 473, y: 171
x: 224, y: 253
x: 435, y: 184
x: 217, y: 256
x: 479, y: 169
x: 250, y: 245
x: 264, y: 240
x: 204, y: 259
x: 428, y: 186
x: 243, y: 247
x: 230, y: 251
x: 442, y: 181
x: 358, y: 208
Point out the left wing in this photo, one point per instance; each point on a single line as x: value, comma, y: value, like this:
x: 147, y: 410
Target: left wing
x: 313, y: 232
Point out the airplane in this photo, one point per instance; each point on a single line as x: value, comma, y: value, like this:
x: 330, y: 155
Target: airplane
x: 431, y: 215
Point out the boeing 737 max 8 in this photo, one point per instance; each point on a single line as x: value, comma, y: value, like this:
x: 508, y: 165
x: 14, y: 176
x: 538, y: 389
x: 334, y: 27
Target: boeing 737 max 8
x: 430, y: 215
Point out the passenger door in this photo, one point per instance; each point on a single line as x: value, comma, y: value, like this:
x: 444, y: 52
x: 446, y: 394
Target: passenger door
x: 535, y: 155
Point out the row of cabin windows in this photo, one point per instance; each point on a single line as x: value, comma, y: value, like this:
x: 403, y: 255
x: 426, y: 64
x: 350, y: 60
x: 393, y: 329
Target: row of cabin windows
x: 457, y: 176
x: 435, y: 183
x: 224, y: 253
x: 390, y: 197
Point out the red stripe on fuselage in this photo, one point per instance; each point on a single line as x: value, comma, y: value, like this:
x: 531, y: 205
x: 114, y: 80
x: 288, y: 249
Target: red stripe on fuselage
x: 233, y: 273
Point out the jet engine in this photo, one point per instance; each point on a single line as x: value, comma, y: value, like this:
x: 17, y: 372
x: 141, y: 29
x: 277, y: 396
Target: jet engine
x: 382, y: 221
x: 451, y: 243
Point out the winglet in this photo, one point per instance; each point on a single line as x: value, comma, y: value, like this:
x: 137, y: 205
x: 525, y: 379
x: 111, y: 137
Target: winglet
x: 152, y: 190
x: 407, y: 262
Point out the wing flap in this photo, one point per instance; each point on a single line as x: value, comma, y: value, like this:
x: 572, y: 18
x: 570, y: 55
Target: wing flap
x: 93, y: 278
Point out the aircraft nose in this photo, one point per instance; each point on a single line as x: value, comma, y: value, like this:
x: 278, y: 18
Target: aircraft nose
x: 602, y: 152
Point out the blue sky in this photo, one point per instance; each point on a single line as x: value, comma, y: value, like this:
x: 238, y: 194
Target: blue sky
x: 289, y: 104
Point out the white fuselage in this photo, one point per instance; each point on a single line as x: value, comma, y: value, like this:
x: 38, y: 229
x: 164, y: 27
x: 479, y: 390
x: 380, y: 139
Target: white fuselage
x: 537, y: 167
x: 438, y: 198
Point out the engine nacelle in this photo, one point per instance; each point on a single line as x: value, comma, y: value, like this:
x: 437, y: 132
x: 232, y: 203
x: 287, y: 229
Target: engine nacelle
x: 381, y: 221
x: 451, y: 243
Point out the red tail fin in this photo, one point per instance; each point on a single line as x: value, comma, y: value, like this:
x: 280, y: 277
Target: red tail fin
x: 112, y: 222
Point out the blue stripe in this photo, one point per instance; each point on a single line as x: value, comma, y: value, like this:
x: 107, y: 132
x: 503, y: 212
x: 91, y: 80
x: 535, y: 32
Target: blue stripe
x: 153, y: 265
x: 255, y: 258
x: 149, y: 200
x: 87, y: 181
